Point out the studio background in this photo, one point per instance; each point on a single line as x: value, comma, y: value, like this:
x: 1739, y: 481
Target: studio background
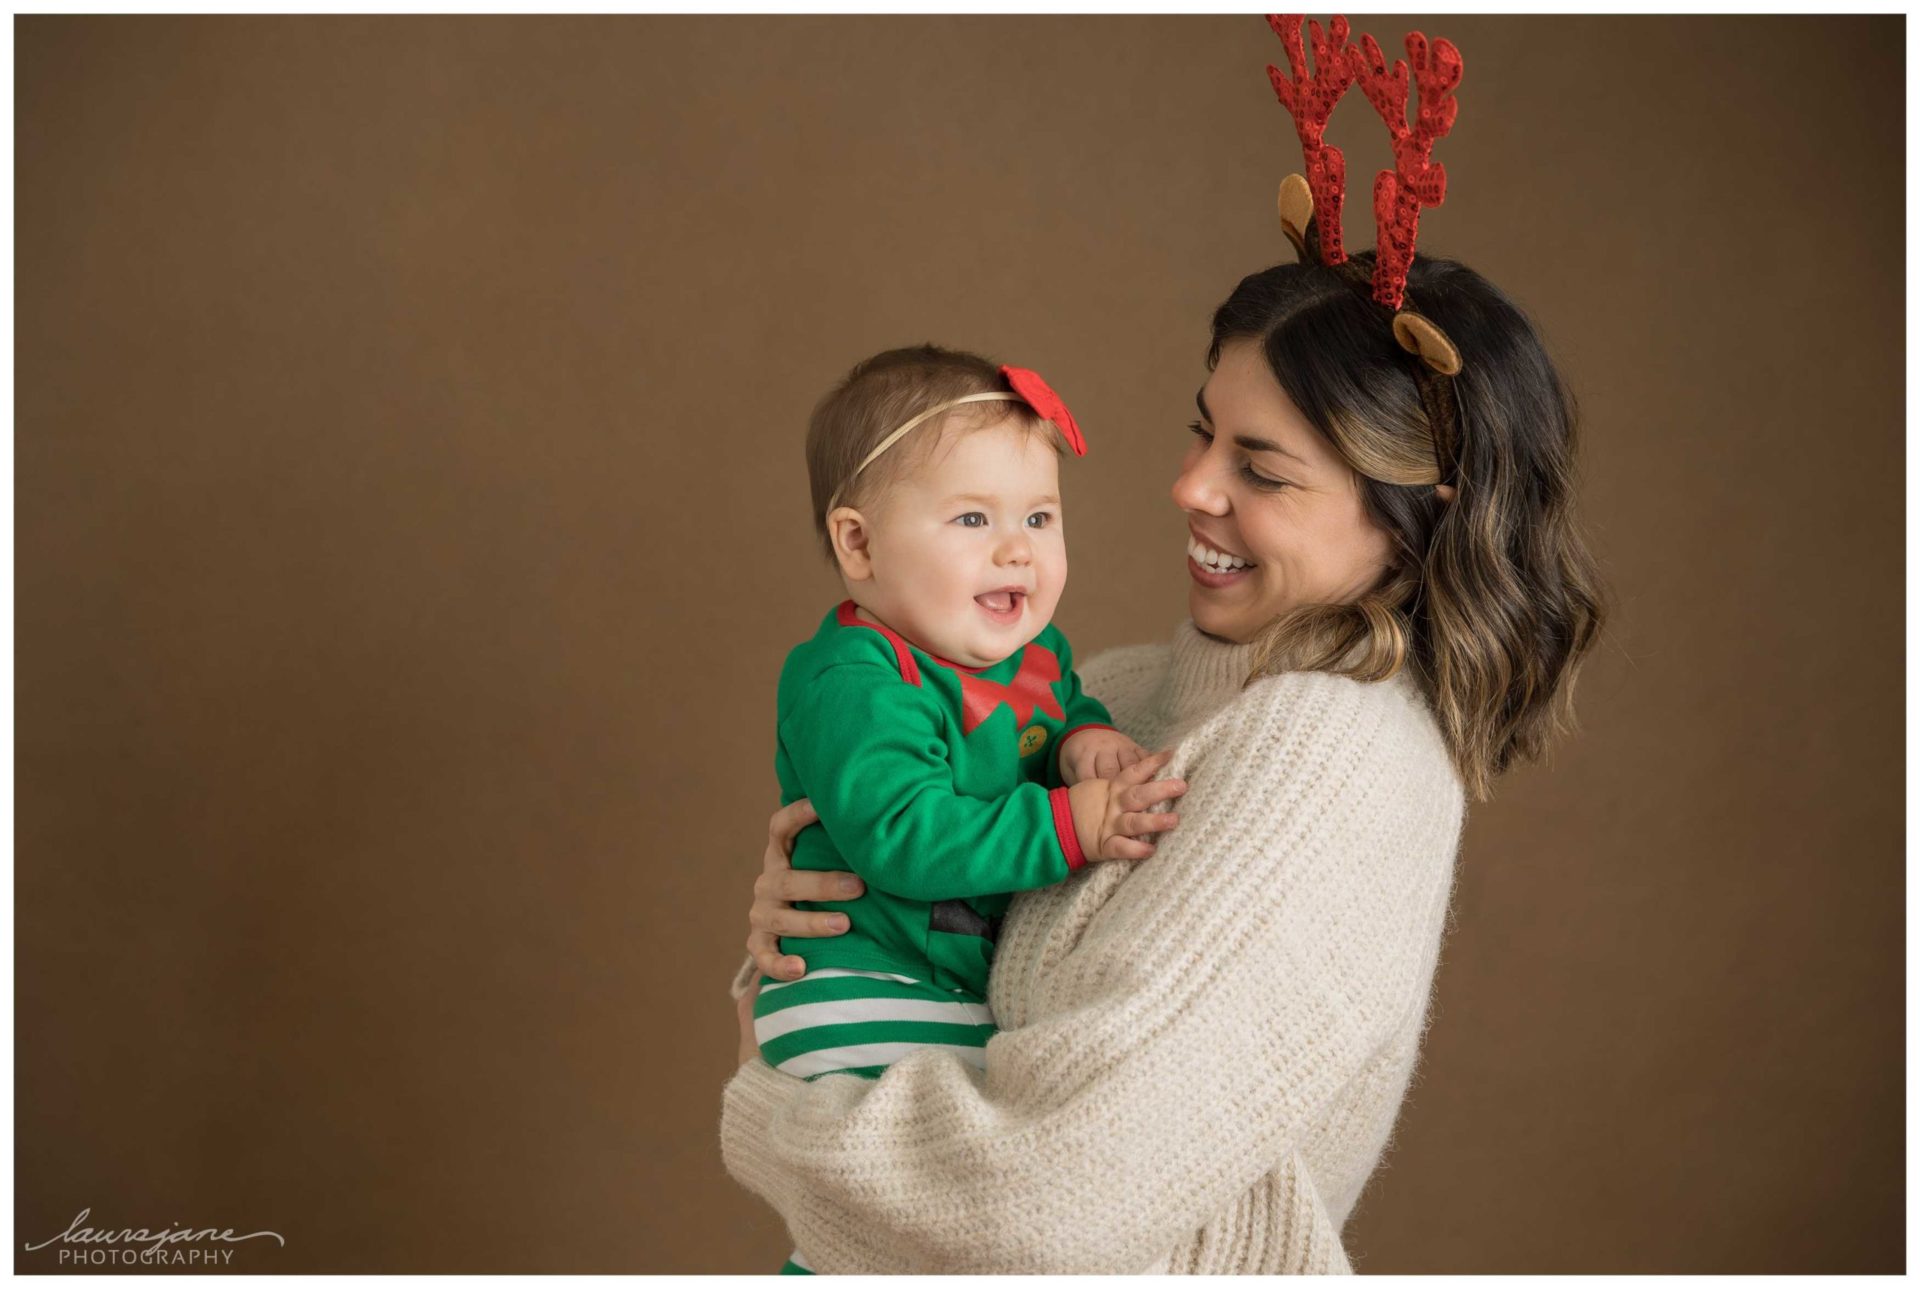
x: 411, y: 522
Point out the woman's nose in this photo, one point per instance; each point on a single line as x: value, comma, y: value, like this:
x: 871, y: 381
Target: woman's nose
x: 1197, y: 487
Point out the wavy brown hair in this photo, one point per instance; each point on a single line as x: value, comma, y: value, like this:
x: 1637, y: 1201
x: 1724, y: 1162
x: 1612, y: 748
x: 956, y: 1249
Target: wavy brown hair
x: 1492, y: 600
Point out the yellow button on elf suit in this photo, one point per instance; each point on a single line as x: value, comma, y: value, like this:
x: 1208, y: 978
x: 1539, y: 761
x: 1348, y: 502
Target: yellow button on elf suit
x: 1033, y: 739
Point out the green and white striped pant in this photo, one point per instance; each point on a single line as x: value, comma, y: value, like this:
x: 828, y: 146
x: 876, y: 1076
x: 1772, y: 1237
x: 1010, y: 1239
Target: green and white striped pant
x: 838, y: 1021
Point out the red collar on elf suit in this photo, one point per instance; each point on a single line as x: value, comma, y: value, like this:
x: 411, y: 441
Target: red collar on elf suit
x: 1030, y: 688
x: 1310, y: 206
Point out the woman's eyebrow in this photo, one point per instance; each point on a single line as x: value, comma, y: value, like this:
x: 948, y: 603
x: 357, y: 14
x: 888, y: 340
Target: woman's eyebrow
x: 1250, y: 444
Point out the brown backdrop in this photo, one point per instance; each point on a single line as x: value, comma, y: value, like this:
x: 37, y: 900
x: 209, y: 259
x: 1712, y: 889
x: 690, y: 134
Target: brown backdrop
x: 411, y: 523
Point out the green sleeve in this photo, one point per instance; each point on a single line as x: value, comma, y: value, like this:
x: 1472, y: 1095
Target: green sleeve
x: 870, y: 751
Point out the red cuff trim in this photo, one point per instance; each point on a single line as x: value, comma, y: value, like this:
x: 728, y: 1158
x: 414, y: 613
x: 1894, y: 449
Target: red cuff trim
x: 1092, y: 725
x: 1063, y: 827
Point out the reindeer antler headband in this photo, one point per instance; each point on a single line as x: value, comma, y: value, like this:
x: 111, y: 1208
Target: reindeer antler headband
x: 1310, y: 206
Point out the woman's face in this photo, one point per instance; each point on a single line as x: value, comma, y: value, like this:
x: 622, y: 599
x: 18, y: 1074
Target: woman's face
x: 1275, y: 518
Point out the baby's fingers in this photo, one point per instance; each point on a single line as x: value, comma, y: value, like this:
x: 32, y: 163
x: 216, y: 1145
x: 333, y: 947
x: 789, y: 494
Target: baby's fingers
x: 1128, y: 848
x: 1150, y: 794
x: 1139, y: 823
x: 1143, y: 770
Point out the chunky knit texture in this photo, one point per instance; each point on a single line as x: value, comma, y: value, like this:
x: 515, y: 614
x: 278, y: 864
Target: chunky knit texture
x: 1202, y: 1054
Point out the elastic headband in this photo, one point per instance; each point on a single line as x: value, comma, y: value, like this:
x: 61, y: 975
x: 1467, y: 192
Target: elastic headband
x: 1028, y: 388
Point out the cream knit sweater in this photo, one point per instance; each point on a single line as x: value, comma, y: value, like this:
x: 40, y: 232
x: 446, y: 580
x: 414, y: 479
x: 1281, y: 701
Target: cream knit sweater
x: 1203, y: 1053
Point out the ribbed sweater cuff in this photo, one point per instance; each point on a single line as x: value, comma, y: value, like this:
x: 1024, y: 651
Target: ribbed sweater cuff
x: 743, y: 978
x: 747, y: 1108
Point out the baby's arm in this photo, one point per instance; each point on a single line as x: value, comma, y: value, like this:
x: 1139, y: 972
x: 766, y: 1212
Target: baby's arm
x: 871, y: 751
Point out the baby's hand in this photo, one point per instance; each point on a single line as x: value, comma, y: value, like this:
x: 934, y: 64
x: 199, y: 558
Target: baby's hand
x: 1097, y: 754
x: 1111, y: 816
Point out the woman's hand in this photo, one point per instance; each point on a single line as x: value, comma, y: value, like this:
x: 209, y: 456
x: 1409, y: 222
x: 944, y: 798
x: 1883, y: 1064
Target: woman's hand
x: 774, y: 892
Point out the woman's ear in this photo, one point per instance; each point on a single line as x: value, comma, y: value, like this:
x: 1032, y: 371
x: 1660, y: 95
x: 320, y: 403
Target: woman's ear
x: 848, y: 529
x: 1445, y: 491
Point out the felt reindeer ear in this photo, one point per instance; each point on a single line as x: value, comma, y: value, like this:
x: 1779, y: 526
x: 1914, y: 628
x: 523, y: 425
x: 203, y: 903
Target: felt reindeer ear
x: 1296, y: 214
x: 1417, y: 335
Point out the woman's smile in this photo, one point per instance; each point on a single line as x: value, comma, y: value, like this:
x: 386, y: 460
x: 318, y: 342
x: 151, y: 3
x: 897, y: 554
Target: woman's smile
x: 1212, y: 567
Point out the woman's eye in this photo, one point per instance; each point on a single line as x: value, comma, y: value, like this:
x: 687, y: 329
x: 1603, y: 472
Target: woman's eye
x: 1247, y: 472
x: 972, y: 519
x: 1039, y: 519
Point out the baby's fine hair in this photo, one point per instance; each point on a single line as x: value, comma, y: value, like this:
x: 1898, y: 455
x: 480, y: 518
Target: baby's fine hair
x: 877, y: 397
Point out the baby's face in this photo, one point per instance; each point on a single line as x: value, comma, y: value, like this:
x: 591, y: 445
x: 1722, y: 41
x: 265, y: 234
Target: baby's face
x: 968, y: 552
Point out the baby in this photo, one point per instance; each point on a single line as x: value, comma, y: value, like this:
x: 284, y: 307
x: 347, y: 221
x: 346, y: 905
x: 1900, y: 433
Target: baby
x: 934, y: 719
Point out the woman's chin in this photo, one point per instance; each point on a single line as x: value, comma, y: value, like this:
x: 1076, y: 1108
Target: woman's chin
x: 1209, y: 616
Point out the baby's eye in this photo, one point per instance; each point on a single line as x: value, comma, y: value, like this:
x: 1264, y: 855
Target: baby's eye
x: 1205, y: 435
x: 1039, y: 519
x: 972, y: 519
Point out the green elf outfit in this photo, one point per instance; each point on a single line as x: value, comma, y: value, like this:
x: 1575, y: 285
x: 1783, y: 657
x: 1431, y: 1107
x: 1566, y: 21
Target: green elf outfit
x: 940, y: 786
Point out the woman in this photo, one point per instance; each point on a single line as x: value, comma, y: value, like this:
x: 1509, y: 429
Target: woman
x: 1204, y: 1052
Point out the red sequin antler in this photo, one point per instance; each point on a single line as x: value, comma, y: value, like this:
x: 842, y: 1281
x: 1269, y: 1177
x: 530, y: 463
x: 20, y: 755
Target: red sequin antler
x: 1311, y: 101
x: 1399, y: 194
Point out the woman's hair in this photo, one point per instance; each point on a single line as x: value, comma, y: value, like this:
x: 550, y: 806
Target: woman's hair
x: 1492, y: 600
x: 877, y: 397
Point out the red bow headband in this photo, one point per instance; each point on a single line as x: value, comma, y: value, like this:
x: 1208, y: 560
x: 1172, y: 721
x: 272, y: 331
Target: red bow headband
x: 1310, y: 207
x: 1028, y: 388
x: 1039, y: 395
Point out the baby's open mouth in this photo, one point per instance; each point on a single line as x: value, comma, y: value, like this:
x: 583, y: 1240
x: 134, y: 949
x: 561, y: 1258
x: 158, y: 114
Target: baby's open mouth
x: 1001, y: 601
